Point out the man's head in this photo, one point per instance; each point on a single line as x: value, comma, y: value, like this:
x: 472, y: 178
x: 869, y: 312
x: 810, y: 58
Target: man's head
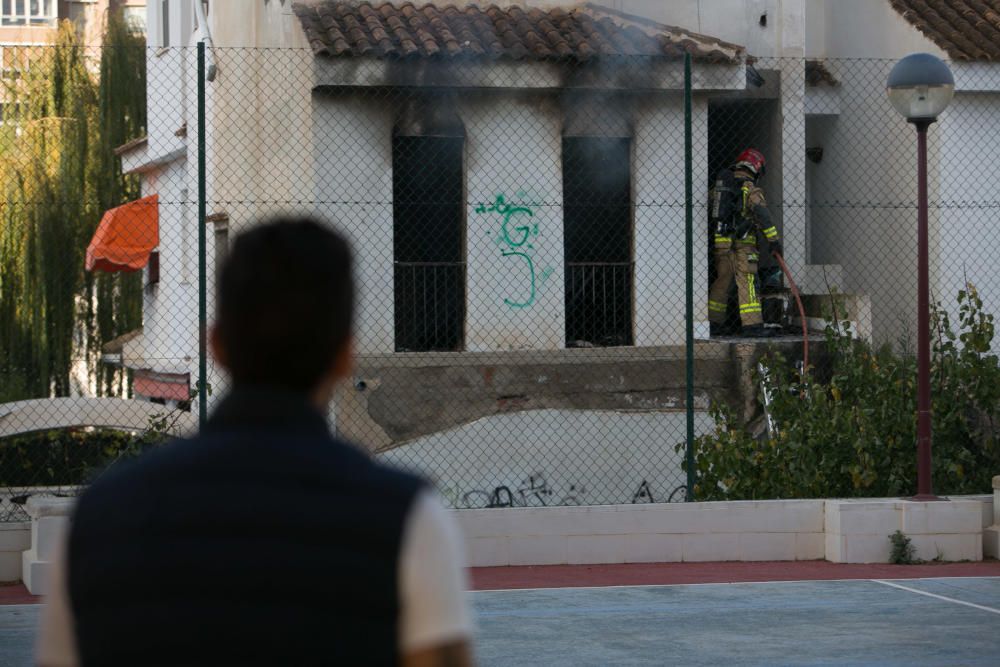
x: 751, y: 161
x: 285, y: 306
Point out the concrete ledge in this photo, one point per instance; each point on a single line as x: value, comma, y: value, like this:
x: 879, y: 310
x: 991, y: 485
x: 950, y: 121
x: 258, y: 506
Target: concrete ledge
x: 14, y: 538
x: 752, y: 530
x: 49, y: 521
x: 847, y: 531
x: 857, y: 530
x: 991, y: 534
x: 850, y: 531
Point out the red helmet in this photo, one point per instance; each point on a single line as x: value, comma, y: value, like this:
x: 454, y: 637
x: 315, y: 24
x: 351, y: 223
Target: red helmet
x: 751, y: 160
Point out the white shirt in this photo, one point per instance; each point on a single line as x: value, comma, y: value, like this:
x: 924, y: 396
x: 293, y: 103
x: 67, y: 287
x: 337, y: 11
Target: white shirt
x: 432, y: 586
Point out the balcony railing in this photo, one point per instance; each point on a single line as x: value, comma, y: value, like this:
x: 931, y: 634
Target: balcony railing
x: 599, y: 304
x: 429, y: 306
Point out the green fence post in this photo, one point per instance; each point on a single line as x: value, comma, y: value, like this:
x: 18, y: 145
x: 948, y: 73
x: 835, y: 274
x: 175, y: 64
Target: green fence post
x: 688, y: 280
x: 202, y: 290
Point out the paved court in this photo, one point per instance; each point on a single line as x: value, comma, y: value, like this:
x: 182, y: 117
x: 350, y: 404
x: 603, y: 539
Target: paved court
x: 855, y: 622
x: 940, y: 621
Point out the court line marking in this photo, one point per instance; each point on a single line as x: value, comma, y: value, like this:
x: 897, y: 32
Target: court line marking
x: 716, y: 583
x: 935, y: 595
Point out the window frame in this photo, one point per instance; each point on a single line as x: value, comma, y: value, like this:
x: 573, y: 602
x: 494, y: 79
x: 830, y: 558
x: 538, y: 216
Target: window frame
x: 453, y: 340
x: 596, y: 274
x: 28, y: 17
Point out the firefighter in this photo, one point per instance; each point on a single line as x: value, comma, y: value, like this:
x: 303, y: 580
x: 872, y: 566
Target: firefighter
x: 738, y: 213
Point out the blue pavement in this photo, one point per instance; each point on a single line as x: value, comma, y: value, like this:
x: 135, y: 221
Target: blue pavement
x: 953, y: 621
x: 858, y: 622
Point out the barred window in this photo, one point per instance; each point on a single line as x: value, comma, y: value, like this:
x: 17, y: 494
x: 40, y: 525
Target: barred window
x: 597, y: 222
x: 428, y: 234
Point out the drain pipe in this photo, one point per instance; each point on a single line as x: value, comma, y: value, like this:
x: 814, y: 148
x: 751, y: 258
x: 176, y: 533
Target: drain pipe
x: 206, y: 34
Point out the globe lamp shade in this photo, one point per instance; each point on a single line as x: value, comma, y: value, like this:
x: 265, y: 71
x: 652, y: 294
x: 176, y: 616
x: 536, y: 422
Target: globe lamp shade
x: 920, y: 86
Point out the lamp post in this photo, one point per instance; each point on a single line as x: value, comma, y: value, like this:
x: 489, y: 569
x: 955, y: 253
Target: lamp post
x: 920, y: 86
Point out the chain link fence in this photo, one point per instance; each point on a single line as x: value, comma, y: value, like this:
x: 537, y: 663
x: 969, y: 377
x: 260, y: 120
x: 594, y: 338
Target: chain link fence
x: 520, y: 237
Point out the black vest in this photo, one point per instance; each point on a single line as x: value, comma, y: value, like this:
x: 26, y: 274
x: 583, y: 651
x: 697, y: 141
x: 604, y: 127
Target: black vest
x: 261, y: 541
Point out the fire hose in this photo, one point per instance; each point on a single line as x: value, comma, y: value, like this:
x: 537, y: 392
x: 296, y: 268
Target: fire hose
x: 802, y: 311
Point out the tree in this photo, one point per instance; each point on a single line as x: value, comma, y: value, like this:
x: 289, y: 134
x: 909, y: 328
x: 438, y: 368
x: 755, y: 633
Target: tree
x: 65, y: 109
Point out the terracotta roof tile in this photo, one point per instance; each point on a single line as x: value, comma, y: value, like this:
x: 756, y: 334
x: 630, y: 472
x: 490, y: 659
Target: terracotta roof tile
x: 964, y: 29
x: 346, y: 28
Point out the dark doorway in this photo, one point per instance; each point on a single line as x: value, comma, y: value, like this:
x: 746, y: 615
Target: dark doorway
x: 597, y: 228
x: 428, y: 253
x: 734, y: 125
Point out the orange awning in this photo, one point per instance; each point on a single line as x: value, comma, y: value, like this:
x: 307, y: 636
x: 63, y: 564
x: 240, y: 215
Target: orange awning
x: 125, y: 237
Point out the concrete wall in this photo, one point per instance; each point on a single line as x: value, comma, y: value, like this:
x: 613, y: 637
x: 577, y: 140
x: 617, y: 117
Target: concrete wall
x: 258, y: 113
x: 870, y: 161
x: 861, y: 29
x: 169, y: 341
x: 395, y: 400
x: 658, y: 173
x: 736, y: 21
x: 352, y: 162
x: 966, y: 239
x: 862, y: 197
x: 15, y: 538
x: 513, y: 149
x: 559, y: 450
x: 857, y: 529
x: 878, y: 246
x: 838, y: 530
x: 851, y: 531
x: 689, y: 532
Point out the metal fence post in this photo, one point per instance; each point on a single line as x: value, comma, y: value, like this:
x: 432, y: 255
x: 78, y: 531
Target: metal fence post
x: 202, y: 213
x: 688, y: 280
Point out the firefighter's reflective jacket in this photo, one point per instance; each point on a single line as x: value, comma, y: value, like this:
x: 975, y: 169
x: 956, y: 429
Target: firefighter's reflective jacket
x: 752, y: 214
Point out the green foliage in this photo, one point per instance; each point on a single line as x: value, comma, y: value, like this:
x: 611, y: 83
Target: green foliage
x: 71, y: 457
x: 853, y: 432
x: 116, y: 299
x: 64, y: 112
x: 59, y: 458
x: 902, y: 549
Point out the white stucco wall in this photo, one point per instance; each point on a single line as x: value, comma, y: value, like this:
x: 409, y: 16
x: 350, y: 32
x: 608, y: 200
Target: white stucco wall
x: 513, y: 151
x: 352, y: 160
x: 870, y: 162
x: 258, y: 137
x: 596, y: 457
x: 967, y: 238
x: 863, y: 195
x: 170, y: 315
x: 791, y: 126
x: 659, y: 242
x: 862, y: 29
x: 735, y: 21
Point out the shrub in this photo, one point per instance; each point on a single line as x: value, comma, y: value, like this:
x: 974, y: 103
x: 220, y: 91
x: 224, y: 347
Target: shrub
x: 902, y: 549
x: 59, y: 458
x: 71, y: 457
x: 853, y: 432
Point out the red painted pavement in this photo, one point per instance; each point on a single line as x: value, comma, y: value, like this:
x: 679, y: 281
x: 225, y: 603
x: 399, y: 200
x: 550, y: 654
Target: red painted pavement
x: 651, y: 574
x: 17, y: 594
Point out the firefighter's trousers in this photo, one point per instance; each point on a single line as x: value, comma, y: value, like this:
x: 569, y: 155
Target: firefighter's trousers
x: 735, y: 258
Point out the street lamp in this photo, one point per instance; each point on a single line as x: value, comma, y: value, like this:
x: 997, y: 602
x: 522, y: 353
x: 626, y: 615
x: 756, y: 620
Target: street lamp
x: 920, y: 86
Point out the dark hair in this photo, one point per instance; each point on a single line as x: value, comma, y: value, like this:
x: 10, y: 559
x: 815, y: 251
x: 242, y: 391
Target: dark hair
x: 285, y: 301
